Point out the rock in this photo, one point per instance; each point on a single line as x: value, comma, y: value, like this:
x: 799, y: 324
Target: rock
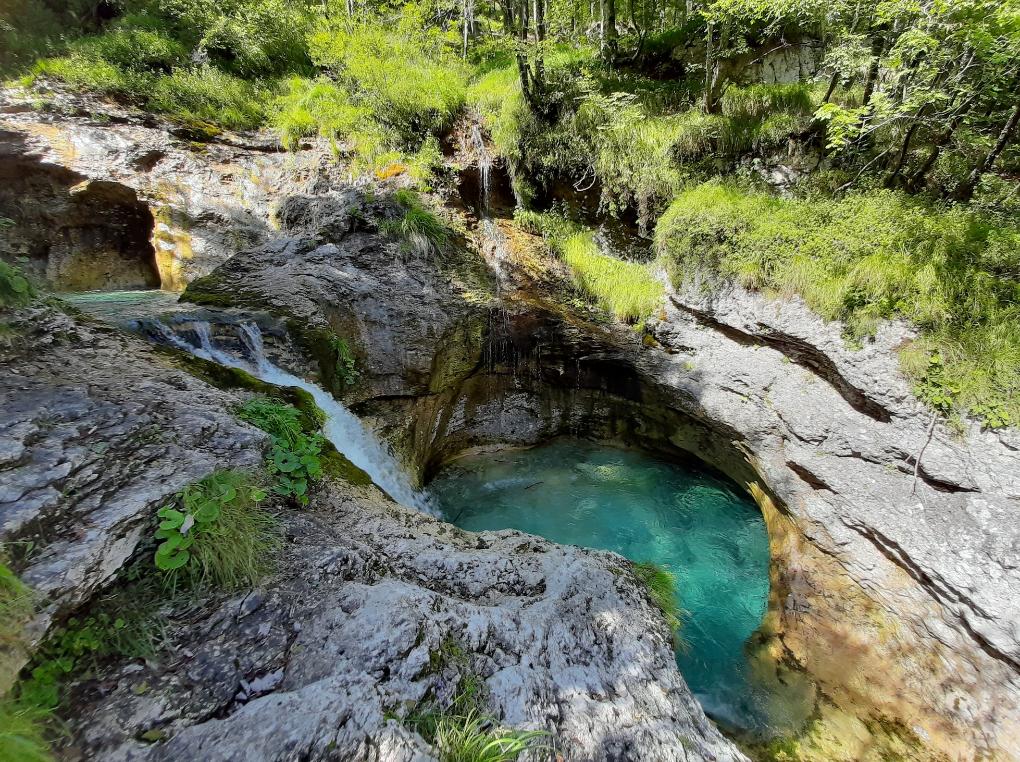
x: 102, y: 197
x: 394, y: 607
x: 97, y: 430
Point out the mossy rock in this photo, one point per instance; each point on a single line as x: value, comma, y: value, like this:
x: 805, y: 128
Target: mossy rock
x: 337, y: 466
x: 223, y: 377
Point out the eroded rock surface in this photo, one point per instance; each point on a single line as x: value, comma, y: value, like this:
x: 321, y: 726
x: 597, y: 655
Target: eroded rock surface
x: 200, y: 201
x: 378, y: 607
x: 96, y: 429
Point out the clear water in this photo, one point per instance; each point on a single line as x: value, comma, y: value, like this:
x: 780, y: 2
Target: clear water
x: 712, y: 537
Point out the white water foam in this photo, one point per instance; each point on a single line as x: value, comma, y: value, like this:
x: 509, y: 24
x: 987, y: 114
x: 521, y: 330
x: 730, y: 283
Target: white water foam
x: 342, y: 427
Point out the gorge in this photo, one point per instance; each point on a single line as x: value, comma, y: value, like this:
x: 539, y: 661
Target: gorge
x: 498, y: 458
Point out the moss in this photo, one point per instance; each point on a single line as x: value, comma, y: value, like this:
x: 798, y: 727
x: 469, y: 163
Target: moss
x: 337, y: 466
x: 223, y: 377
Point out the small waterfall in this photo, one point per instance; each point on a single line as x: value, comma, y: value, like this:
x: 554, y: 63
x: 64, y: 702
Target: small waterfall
x: 484, y: 168
x: 342, y: 427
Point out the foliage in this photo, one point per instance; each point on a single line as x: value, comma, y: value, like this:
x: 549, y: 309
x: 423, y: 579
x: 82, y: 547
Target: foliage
x: 295, y: 460
x: 475, y: 738
x: 209, y: 95
x: 345, y: 366
x: 22, y: 738
x: 216, y: 533
x: 661, y: 585
x: 417, y: 226
x: 464, y: 732
x: 953, y: 272
x: 15, y: 288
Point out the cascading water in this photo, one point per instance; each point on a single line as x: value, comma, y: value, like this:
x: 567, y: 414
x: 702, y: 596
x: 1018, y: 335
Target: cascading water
x: 341, y: 427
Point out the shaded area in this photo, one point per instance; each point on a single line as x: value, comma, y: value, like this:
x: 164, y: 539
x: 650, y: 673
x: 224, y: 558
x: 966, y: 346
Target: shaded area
x: 72, y: 233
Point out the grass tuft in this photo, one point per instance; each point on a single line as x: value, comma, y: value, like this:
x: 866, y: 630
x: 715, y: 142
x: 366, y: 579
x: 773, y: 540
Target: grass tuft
x: 215, y: 533
x: 661, y: 586
x: 22, y: 737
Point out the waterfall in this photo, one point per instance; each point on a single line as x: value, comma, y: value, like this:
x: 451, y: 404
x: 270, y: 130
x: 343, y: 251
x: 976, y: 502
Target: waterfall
x: 341, y: 427
x: 484, y: 168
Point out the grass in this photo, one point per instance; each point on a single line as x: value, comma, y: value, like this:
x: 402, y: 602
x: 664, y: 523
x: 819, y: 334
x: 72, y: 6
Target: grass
x: 475, y: 738
x: 661, y: 586
x: 627, y: 289
x: 464, y: 732
x: 951, y: 271
x: 15, y: 606
x: 215, y: 533
x: 417, y: 226
x: 22, y: 737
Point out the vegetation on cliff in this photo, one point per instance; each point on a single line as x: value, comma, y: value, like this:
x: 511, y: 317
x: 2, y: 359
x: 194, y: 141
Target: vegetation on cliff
x: 894, y: 125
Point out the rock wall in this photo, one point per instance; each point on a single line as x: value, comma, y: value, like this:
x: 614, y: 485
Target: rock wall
x: 200, y: 201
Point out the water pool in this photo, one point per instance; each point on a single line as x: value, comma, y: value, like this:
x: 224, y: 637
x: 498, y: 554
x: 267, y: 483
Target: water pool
x: 698, y: 525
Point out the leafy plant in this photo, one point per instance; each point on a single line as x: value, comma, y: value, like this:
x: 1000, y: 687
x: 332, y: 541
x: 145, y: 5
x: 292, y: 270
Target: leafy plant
x: 661, y: 586
x: 216, y: 533
x: 295, y: 459
x: 345, y: 367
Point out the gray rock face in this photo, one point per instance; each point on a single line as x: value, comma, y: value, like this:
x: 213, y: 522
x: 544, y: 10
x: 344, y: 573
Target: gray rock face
x: 377, y: 607
x: 183, y: 207
x: 96, y: 430
x: 835, y: 434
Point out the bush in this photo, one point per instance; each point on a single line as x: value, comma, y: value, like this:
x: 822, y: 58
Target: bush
x: 952, y: 272
x: 661, y: 586
x: 295, y: 460
x: 475, y: 738
x: 216, y: 533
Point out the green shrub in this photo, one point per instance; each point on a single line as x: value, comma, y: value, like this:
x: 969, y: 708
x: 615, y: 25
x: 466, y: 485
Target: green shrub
x: 216, y: 533
x: 762, y: 100
x: 661, y: 585
x: 22, y: 738
x: 140, y: 50
x: 296, y: 457
x: 627, y: 289
x: 868, y: 257
x: 320, y: 107
x: 15, y: 288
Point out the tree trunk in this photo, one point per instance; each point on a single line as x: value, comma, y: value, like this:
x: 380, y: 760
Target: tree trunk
x: 833, y: 81
x: 610, y: 35
x: 877, y: 46
x: 966, y: 191
x: 915, y: 180
x: 711, y: 68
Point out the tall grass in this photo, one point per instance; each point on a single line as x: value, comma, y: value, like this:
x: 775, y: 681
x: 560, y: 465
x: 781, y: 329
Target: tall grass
x: 952, y: 272
x: 22, y: 738
x: 627, y: 289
